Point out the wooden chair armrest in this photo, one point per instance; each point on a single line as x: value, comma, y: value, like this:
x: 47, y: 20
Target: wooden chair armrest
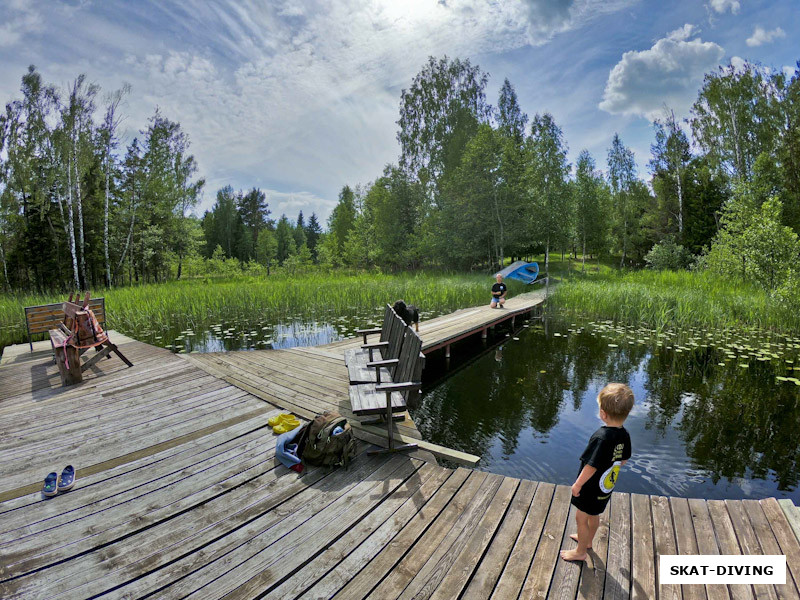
x: 374, y: 345
x: 383, y: 363
x: 405, y: 386
x: 366, y: 332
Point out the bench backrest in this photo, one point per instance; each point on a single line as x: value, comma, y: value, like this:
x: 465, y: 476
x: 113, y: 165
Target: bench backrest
x: 40, y: 319
x: 408, y: 368
x: 388, y: 317
x: 396, y: 336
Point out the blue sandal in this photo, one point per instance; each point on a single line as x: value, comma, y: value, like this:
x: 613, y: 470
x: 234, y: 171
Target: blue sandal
x: 67, y: 479
x: 50, y: 485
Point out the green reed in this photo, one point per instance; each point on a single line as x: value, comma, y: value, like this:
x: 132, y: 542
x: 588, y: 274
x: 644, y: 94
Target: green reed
x: 664, y: 299
x: 197, y: 304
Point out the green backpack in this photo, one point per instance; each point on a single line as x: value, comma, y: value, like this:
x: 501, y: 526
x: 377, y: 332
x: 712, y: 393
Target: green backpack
x: 319, y: 447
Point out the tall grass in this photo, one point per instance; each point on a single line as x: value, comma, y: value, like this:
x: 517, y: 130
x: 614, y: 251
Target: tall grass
x: 670, y: 299
x: 196, y: 304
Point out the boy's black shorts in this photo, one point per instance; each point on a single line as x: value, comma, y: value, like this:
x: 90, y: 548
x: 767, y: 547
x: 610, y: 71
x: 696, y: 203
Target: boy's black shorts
x: 591, y: 504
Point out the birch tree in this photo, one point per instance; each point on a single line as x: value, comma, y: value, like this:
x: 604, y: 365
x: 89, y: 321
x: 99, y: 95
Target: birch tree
x: 108, y: 138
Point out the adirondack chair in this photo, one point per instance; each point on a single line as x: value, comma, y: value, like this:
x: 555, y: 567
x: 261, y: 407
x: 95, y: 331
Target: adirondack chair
x: 388, y: 398
x: 67, y: 349
x: 359, y: 359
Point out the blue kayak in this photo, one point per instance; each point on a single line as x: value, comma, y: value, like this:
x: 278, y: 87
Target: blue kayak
x: 521, y: 271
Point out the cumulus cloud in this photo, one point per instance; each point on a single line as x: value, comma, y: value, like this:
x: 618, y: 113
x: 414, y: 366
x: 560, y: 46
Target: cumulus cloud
x: 669, y: 73
x: 723, y: 6
x: 761, y: 36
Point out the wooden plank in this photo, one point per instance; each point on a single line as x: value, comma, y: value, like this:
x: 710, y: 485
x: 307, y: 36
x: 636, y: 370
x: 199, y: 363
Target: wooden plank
x: 456, y: 567
x: 792, y: 514
x: 565, y: 578
x: 593, y: 571
x: 131, y: 478
x: 350, y: 552
x: 544, y: 561
x: 287, y: 546
x: 384, y: 561
x: 783, y: 533
x: 726, y: 537
x: 471, y: 494
x: 138, y: 453
x: 769, y: 545
x: 618, y: 571
x: 748, y: 542
x: 492, y: 564
x: 686, y: 542
x: 367, y: 433
x: 706, y: 542
x: 196, y: 538
x: 643, y: 549
x: 665, y: 544
x: 513, y: 576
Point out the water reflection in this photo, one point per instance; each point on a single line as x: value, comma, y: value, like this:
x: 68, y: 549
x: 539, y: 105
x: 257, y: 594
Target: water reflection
x: 699, y: 429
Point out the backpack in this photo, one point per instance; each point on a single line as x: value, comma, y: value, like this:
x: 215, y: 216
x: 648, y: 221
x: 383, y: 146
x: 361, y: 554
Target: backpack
x: 319, y: 447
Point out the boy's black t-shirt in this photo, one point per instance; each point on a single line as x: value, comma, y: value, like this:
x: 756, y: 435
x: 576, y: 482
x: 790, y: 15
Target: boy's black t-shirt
x: 498, y: 289
x: 606, y: 448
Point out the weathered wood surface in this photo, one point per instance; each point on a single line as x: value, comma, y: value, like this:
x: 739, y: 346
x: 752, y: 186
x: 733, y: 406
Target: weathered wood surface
x: 438, y: 332
x: 179, y: 495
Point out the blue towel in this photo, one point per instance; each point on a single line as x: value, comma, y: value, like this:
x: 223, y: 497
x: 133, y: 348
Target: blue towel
x: 288, y: 455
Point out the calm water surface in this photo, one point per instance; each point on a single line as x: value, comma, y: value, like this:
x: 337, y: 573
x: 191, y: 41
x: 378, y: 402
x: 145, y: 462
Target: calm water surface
x: 704, y: 425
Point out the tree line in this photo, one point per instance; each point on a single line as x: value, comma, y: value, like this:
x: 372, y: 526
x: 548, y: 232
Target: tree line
x: 477, y: 184
x: 474, y: 186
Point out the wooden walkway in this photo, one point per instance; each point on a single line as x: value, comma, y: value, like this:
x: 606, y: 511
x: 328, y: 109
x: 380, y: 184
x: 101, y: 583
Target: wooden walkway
x: 443, y: 331
x: 179, y: 495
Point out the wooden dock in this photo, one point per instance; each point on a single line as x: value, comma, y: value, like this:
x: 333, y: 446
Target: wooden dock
x: 179, y: 495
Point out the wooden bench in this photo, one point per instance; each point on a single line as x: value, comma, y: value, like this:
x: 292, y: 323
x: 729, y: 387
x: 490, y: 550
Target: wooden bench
x: 363, y: 364
x: 386, y: 399
x: 41, y: 319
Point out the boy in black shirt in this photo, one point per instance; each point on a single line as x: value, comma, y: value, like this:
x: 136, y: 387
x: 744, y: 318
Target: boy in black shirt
x: 499, y: 291
x: 609, y: 448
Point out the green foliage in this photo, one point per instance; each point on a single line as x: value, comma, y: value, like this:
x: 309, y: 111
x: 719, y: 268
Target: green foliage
x: 438, y: 115
x: 591, y: 200
x: 551, y: 210
x: 737, y: 116
x: 754, y: 244
x: 668, y: 255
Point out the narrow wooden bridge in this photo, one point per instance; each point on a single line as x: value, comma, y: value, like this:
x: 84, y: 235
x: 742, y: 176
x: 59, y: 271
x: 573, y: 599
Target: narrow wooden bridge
x: 179, y: 495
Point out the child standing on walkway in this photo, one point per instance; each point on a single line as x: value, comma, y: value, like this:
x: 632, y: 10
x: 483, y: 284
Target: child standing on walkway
x: 609, y: 448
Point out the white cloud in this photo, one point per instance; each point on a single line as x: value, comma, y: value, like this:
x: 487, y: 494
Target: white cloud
x: 19, y: 18
x: 761, y: 36
x: 669, y: 73
x: 285, y: 95
x: 722, y: 6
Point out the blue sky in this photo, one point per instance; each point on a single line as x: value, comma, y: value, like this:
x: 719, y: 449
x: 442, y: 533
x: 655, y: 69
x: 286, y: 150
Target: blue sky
x: 301, y: 97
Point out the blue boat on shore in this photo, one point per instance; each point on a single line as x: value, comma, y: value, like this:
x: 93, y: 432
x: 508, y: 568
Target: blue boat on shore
x: 521, y: 271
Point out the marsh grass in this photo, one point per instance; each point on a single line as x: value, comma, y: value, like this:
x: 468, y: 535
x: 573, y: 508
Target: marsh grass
x: 671, y: 299
x: 153, y: 312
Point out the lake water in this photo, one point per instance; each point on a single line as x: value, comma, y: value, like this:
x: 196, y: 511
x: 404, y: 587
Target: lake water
x: 715, y: 416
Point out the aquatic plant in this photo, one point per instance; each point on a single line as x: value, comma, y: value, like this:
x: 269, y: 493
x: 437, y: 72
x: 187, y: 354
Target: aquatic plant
x: 164, y: 313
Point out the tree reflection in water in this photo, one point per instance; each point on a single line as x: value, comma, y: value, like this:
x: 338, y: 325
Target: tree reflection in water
x: 699, y: 429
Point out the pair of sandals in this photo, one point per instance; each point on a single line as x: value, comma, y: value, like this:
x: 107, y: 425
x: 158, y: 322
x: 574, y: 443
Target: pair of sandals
x: 53, y: 483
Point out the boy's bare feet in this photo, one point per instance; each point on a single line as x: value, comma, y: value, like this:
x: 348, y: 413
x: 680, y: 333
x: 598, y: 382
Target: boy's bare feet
x: 572, y: 555
x: 574, y: 536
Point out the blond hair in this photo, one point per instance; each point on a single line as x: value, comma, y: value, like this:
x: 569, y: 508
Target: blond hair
x: 616, y: 399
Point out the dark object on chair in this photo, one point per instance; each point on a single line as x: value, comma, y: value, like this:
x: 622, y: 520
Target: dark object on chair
x: 408, y: 312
